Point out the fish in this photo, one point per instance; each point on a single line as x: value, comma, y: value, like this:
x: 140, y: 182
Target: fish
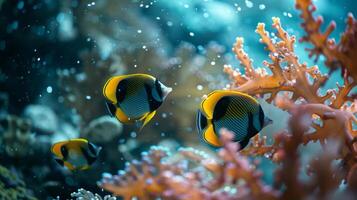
x: 134, y: 98
x: 238, y: 112
x: 75, y: 154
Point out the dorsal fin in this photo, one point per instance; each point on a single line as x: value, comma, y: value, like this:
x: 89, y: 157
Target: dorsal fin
x: 207, y: 105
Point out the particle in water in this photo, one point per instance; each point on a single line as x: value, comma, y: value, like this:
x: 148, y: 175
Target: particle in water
x: 249, y: 4
x: 49, y: 89
x: 199, y: 87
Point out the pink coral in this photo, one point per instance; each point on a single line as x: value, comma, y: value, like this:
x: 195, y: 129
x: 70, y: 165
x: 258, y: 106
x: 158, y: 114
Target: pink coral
x: 338, y: 55
x: 155, y: 176
x: 292, y: 86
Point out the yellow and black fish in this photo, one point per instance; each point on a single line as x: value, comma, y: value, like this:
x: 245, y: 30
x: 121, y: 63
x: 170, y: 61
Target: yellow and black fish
x: 236, y: 111
x: 135, y: 97
x: 75, y: 154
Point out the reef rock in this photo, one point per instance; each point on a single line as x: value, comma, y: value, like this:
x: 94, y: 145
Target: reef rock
x: 11, y: 187
x: 42, y: 117
x: 102, y: 129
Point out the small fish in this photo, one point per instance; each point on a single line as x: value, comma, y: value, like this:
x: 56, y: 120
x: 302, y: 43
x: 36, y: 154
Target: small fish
x: 75, y: 154
x: 135, y: 97
x: 236, y: 111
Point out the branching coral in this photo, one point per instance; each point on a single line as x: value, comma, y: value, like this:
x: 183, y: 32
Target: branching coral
x: 331, y: 114
x: 338, y: 55
x: 202, y: 178
x: 83, y: 194
x: 232, y: 176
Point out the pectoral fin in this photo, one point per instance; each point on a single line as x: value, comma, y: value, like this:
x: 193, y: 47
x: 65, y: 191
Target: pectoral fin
x: 210, y: 136
x: 147, y: 118
x: 69, y: 166
x: 243, y: 143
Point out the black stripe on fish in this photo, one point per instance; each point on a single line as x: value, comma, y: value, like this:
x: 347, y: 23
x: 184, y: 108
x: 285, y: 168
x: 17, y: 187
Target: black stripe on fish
x: 121, y: 90
x: 59, y: 161
x: 90, y: 159
x: 158, y: 88
x: 111, y: 108
x: 153, y: 104
x: 221, y: 108
x: 261, y: 116
x: 64, y: 152
x: 251, y: 129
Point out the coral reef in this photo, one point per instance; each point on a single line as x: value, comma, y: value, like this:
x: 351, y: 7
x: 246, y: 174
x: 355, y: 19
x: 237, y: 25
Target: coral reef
x: 12, y: 187
x: 232, y: 175
x: 316, y: 115
x: 193, y: 176
x: 103, y: 129
x: 83, y: 194
x: 333, y: 112
x: 42, y: 118
x: 16, y: 136
x: 341, y: 55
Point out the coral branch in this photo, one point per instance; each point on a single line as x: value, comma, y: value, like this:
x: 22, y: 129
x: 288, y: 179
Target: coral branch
x: 288, y: 74
x: 337, y: 55
x: 155, y: 177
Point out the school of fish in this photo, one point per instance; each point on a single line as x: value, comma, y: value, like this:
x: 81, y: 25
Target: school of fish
x: 135, y: 99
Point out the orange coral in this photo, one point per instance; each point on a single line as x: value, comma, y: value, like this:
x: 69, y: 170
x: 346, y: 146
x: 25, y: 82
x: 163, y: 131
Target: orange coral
x: 156, y: 177
x: 301, y: 85
x: 288, y: 74
x: 337, y: 55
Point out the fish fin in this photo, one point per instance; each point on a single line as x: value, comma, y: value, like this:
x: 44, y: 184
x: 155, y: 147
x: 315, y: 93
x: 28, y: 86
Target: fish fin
x: 147, y: 118
x: 236, y: 93
x: 243, y: 143
x: 69, y: 166
x: 210, y: 136
x: 208, y: 104
x: 146, y: 76
x: 59, y: 161
x: 86, y: 167
x: 110, y: 88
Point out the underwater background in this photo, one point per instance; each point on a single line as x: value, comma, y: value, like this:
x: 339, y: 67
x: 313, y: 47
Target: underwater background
x: 56, y: 55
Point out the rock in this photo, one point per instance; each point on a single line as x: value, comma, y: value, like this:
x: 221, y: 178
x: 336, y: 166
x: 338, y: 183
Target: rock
x: 102, y: 129
x: 43, y: 118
